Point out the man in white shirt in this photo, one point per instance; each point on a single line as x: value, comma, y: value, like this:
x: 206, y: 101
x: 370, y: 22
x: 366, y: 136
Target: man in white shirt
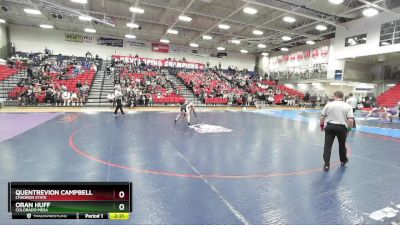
x: 339, y: 118
x: 66, y: 98
x: 352, y: 101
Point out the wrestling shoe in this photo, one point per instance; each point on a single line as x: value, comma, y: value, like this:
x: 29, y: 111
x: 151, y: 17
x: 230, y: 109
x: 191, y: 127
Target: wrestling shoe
x: 326, y: 167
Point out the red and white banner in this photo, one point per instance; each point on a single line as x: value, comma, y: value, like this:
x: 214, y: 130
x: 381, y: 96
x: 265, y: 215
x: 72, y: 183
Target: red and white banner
x: 158, y: 47
x: 162, y: 62
x: 310, y: 54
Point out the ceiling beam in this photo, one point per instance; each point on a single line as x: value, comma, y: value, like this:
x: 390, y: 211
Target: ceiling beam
x: 294, y: 13
x: 273, y: 18
x: 181, y: 14
x: 160, y: 23
x: 219, y: 18
x: 374, y: 5
x: 222, y: 20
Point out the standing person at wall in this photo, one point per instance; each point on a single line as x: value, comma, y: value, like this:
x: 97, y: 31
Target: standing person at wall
x: 339, y: 118
x: 352, y: 101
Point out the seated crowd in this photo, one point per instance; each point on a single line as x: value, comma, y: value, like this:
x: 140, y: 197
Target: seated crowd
x: 57, y: 81
x: 237, y: 88
x: 144, y: 86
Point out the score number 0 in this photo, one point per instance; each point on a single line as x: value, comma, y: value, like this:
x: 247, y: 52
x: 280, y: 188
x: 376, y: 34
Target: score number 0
x: 121, y: 194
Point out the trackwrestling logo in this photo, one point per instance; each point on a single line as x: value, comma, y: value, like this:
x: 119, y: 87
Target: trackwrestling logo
x: 207, y: 128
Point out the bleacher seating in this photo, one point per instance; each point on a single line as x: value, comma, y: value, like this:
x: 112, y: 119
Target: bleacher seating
x: 172, y: 99
x: 6, y: 72
x: 207, y: 83
x: 390, y: 98
x: 216, y: 101
x: 87, y: 76
x: 165, y: 98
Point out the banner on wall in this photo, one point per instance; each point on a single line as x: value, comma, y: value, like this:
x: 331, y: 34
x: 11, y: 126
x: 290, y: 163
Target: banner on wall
x: 110, y: 42
x: 158, y: 47
x: 321, y: 52
x: 338, y: 74
x: 137, y: 44
x: 78, y: 38
x: 162, y: 62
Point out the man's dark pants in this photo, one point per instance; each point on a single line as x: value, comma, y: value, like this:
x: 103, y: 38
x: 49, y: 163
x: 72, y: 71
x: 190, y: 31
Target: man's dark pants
x: 119, y: 106
x: 332, y: 131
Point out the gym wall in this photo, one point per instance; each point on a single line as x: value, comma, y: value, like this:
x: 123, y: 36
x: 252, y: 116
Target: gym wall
x: 28, y: 39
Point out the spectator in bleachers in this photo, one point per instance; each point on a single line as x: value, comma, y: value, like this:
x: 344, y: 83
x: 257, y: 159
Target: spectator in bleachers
x: 66, y: 97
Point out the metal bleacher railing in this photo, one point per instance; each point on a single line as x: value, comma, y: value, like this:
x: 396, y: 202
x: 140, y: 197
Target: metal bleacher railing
x: 7, y: 85
x: 314, y: 72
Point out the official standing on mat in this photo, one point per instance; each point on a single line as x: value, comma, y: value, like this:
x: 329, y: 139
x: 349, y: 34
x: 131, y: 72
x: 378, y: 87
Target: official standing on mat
x: 118, y: 97
x: 352, y: 101
x: 339, y: 118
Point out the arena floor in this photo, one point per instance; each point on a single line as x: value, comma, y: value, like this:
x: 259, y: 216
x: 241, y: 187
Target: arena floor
x: 231, y: 167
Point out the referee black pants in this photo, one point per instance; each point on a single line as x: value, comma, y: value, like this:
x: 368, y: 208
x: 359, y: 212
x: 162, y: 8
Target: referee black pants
x: 119, y: 106
x: 354, y: 124
x: 332, y: 131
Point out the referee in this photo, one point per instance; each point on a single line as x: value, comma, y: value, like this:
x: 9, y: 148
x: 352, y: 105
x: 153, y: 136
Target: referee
x: 339, y: 118
x: 118, y: 97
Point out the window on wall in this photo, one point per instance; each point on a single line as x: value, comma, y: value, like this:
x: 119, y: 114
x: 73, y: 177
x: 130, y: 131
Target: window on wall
x: 356, y: 40
x: 390, y: 33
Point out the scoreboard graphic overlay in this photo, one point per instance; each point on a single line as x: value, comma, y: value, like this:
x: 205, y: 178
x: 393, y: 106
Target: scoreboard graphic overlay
x: 70, y: 200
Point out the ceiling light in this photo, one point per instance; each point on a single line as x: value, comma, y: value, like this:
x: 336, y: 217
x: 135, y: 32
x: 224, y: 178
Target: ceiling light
x: 224, y: 26
x: 132, y: 25
x: 284, y: 49
x: 265, y: 54
x: 32, y: 11
x: 46, y: 26
x: 206, y: 37
x: 244, y: 51
x: 130, y: 36
x: 171, y: 31
x: 286, y: 38
x: 310, y: 42
x: 85, y: 18
x: 185, y: 18
x: 250, y: 10
x: 235, y: 41
x: 261, y: 46
x: 258, y: 32
x: 79, y: 1
x: 370, y: 12
x: 2, y: 21
x: 289, y: 19
x: 221, y: 49
x: 136, y: 10
x: 321, y: 27
x: 164, y: 41
x: 90, y: 30
x: 336, y: 2
x: 194, y: 45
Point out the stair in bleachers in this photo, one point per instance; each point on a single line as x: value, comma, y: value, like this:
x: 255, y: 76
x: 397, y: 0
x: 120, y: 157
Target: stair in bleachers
x: 390, y: 98
x: 9, y: 83
x: 98, y: 92
x: 184, y: 91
